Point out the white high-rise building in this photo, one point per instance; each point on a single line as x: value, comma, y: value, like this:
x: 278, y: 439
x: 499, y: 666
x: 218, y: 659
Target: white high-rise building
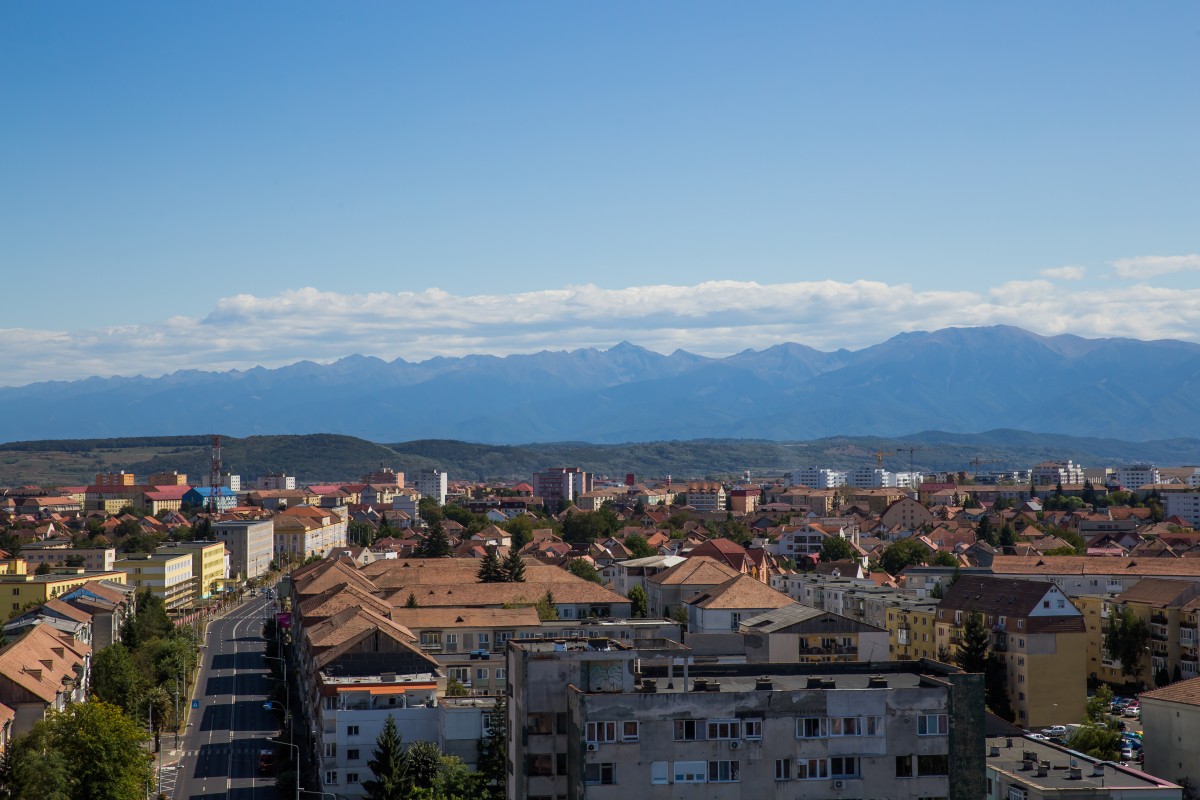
x: 432, y: 483
x: 1131, y: 476
x: 817, y: 478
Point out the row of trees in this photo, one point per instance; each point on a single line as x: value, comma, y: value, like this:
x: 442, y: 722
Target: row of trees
x: 493, y: 570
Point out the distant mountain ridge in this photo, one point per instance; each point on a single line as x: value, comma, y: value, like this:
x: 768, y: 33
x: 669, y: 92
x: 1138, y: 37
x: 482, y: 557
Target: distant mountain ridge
x: 956, y: 380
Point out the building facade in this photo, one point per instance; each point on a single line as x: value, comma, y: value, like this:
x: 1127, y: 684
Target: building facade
x: 251, y: 546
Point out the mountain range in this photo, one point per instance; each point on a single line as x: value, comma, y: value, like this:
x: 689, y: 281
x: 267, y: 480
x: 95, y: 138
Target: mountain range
x: 955, y: 380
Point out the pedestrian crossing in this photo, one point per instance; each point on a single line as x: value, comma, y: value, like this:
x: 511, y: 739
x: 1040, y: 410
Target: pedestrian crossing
x: 219, y: 750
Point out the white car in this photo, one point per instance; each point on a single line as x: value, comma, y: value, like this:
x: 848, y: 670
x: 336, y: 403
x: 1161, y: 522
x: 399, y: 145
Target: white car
x: 1055, y: 730
x: 1127, y: 754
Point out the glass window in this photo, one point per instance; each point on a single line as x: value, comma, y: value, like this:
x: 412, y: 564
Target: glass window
x: 808, y: 769
x: 932, y: 725
x: 724, y: 729
x: 690, y: 771
x: 687, y: 730
x: 752, y: 728
x: 812, y: 728
x: 845, y: 726
x: 874, y: 726
x: 630, y: 730
x: 933, y: 765
x: 659, y: 772
x: 904, y: 767
x: 783, y: 769
x: 724, y: 771
x: 599, y: 773
x: 843, y: 766
x: 601, y: 732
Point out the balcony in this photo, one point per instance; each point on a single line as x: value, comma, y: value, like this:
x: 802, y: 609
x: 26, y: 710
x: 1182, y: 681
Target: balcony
x: 1000, y: 644
x: 1158, y: 619
x: 1158, y: 633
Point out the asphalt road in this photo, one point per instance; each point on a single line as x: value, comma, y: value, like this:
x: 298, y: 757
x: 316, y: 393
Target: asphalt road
x: 218, y: 756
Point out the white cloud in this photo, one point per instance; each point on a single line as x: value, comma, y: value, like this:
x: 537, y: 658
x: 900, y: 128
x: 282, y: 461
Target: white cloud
x: 1149, y: 266
x: 1065, y: 273
x: 711, y: 318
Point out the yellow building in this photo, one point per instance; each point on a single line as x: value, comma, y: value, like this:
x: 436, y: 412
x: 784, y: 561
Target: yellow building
x: 208, y: 564
x: 911, y: 629
x: 1168, y: 609
x: 1096, y: 609
x: 1038, y: 633
x: 168, y: 575
x: 20, y: 589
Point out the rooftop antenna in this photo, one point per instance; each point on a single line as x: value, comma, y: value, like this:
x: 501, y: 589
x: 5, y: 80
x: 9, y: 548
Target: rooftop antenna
x: 214, y: 478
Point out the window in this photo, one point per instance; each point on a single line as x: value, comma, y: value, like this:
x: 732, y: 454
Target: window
x: 1020, y: 678
x: 724, y: 729
x: 724, y: 771
x: 501, y: 673
x: 1016, y: 793
x: 1020, y: 624
x: 690, y: 771
x: 812, y: 728
x: 843, y: 766
x: 844, y: 726
x: 783, y: 769
x: 874, y: 726
x: 752, y: 728
x: 331, y: 749
x: 630, y: 730
x: 540, y: 723
x: 659, y: 772
x: 352, y: 754
x: 560, y: 763
x: 808, y: 769
x: 904, y: 767
x: 331, y: 777
x: 601, y: 731
x: 539, y: 764
x: 687, y: 730
x: 932, y: 725
x: 351, y: 777
x: 352, y: 730
x: 735, y: 619
x: 484, y: 639
x: 481, y: 674
x: 933, y: 765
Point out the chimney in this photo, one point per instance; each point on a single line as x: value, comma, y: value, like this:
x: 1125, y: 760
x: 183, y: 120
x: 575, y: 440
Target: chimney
x: 995, y: 751
x: 1043, y: 768
x: 877, y: 682
x: 1076, y: 773
x: 815, y: 683
x: 714, y: 686
x: 1098, y: 769
x: 763, y: 684
x: 649, y: 685
x: 700, y: 685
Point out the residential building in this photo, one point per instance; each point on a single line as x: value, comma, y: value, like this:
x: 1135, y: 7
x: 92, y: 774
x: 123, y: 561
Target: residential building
x: 432, y: 483
x: 121, y: 478
x: 668, y: 591
x: 156, y: 499
x: 1131, y: 476
x: 561, y: 483
x: 1170, y: 722
x: 20, y: 589
x: 208, y: 565
x: 874, y: 500
x: 807, y: 635
x: 1021, y: 768
x: 168, y: 575
x: 40, y: 672
x: 912, y: 628
x: 107, y: 603
x: 304, y: 531
x: 385, y: 476
x: 1050, y: 473
x: 721, y: 609
x: 906, y: 514
x: 1185, y: 505
x: 173, y: 478
x: 201, y: 495
x: 1076, y: 575
x: 61, y: 616
x: 634, y: 571
x: 817, y: 478
x: 1167, y: 608
x: 61, y: 554
x: 250, y: 543
x: 706, y: 496
x: 646, y: 722
x: 1037, y: 630
x: 275, y: 481
x: 744, y: 500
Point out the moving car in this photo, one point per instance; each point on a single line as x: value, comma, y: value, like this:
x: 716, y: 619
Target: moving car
x: 266, y: 762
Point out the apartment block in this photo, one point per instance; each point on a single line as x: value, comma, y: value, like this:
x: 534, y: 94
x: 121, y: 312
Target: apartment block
x: 432, y: 483
x: 706, y: 496
x: 60, y: 554
x: 1170, y: 719
x: 561, y: 483
x: 648, y: 722
x: 208, y: 565
x: 1020, y: 768
x: 1037, y: 630
x: 168, y: 575
x: 251, y: 546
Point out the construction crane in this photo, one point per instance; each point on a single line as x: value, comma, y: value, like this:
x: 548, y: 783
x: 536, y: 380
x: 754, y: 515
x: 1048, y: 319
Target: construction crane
x: 977, y: 462
x: 879, y: 456
x: 910, y: 451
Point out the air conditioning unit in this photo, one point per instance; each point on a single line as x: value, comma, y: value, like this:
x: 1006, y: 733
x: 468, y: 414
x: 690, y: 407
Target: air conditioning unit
x: 735, y: 744
x: 839, y: 784
x: 591, y: 747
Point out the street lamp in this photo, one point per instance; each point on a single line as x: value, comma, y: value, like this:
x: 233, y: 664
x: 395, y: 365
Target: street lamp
x: 295, y: 747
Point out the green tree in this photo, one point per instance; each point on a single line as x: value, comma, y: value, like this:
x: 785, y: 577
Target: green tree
x: 1125, y: 639
x: 638, y: 602
x: 429, y: 510
x: 973, y: 650
x: 546, y: 607
x: 43, y: 568
x: 587, y: 526
x: 149, y: 621
x: 456, y: 688
x: 903, y: 553
x: 836, y: 548
x: 514, y: 567
x: 424, y: 764
x: 103, y: 752
x: 389, y: 766
x: 1008, y: 536
x: 986, y: 532
x: 115, y: 678
x: 436, y: 544
x: 411, y: 602
x: 1097, y: 741
x: 680, y: 615
x: 490, y: 570
x: 944, y: 558
x: 582, y: 568
x: 493, y: 752
x: 520, y: 528
x: 1098, y: 704
x: 638, y: 547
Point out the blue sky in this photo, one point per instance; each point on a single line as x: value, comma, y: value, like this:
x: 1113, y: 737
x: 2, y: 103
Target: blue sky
x: 222, y: 184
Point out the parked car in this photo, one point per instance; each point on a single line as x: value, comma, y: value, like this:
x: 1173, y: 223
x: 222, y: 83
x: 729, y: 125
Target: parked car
x: 266, y: 762
x: 1055, y: 730
x: 1126, y: 754
x: 1131, y: 710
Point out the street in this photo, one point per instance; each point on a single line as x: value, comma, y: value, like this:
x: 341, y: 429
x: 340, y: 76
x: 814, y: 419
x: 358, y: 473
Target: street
x: 218, y: 756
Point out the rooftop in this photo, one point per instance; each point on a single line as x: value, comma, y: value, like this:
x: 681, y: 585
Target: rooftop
x: 1089, y: 773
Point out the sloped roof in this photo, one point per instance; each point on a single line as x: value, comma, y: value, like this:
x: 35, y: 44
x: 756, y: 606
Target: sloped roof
x: 742, y: 591
x: 697, y: 570
x: 42, y: 661
x: 1185, y: 692
x: 447, y: 617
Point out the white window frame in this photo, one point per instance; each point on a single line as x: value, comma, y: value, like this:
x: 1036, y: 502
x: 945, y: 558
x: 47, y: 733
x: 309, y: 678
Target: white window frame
x: 631, y: 730
x: 601, y: 732
x: 813, y: 769
x: 822, y: 724
x: 752, y: 728
x: 690, y: 771
x: 939, y: 722
x: 732, y: 769
x: 723, y: 730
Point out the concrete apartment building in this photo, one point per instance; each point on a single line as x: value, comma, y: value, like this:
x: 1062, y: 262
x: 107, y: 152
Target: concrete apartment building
x: 561, y: 483
x: 20, y: 587
x: 432, y: 483
x: 168, y: 575
x: 706, y: 496
x: 1169, y: 610
x: 817, y: 478
x: 40, y: 672
x: 1170, y: 719
x: 646, y: 722
x: 1131, y: 476
x: 807, y: 635
x: 1040, y: 634
x: 56, y: 553
x: 1185, y: 505
x: 250, y: 543
x: 275, y: 481
x: 1050, y: 473
x: 1020, y: 768
x: 208, y: 565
